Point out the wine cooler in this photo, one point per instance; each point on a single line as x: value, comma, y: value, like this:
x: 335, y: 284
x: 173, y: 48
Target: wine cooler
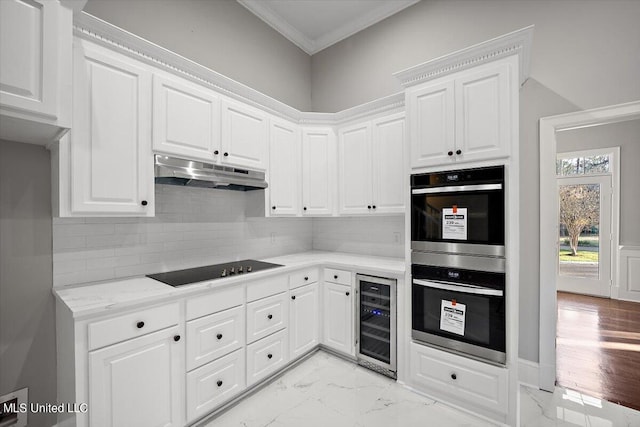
x: 376, y: 324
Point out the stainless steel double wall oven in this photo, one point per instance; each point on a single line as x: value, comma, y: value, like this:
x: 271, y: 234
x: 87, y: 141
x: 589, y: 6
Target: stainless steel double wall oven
x: 458, y: 261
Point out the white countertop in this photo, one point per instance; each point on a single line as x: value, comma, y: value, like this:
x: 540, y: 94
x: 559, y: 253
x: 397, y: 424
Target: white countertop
x: 91, y: 299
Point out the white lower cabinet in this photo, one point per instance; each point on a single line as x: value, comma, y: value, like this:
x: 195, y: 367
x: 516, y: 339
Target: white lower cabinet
x: 303, y: 320
x: 139, y: 382
x: 458, y: 379
x: 266, y: 316
x: 266, y: 356
x: 214, y: 384
x: 338, y: 317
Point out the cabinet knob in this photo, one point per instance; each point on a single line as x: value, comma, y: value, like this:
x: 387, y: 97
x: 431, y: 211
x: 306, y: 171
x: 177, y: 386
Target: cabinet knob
x: 458, y: 152
x: 219, y: 336
x: 219, y: 383
x: 293, y: 297
x: 368, y: 206
x: 216, y: 152
x: 270, y: 316
x: 269, y: 355
x: 454, y: 376
x: 226, y: 154
x: 305, y: 208
x: 335, y: 276
x: 450, y: 153
x: 144, y: 203
x: 176, y: 338
x: 140, y: 325
x: 347, y: 293
x: 306, y: 277
x: 374, y: 206
x: 273, y: 207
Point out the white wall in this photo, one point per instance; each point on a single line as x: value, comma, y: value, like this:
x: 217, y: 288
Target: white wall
x: 192, y: 227
x: 378, y: 236
x: 221, y: 35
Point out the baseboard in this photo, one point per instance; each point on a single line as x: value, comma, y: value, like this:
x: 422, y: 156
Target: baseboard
x: 528, y: 373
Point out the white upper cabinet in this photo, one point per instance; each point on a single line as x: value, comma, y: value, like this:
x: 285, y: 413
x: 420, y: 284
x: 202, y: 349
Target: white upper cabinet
x: 110, y: 145
x: 371, y: 162
x: 186, y: 118
x: 284, y: 168
x: 35, y: 70
x: 318, y: 171
x: 463, y: 117
x: 244, y: 136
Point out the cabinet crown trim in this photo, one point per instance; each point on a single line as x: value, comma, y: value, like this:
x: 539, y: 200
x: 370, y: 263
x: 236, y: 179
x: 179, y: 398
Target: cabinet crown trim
x: 515, y: 43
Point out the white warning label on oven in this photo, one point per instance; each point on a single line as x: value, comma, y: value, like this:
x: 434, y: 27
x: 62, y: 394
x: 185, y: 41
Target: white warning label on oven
x: 454, y: 223
x: 452, y: 317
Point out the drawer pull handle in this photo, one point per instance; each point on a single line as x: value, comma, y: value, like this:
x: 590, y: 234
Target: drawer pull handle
x: 140, y: 325
x: 144, y: 203
x: 176, y: 338
x: 450, y: 153
x: 454, y: 376
x: 293, y: 297
x: 219, y: 336
x: 335, y: 276
x: 347, y: 293
x: 458, y: 152
x: 219, y: 383
x: 269, y: 355
x: 270, y: 316
x: 306, y: 277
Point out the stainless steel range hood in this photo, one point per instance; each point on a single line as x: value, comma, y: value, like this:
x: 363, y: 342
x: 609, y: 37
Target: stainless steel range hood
x: 190, y: 173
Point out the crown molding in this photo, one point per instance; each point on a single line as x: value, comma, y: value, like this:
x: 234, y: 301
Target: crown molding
x: 88, y: 27
x: 313, y: 46
x: 515, y: 43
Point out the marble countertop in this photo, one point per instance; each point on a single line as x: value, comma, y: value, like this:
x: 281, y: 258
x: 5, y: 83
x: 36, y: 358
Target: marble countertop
x: 92, y: 299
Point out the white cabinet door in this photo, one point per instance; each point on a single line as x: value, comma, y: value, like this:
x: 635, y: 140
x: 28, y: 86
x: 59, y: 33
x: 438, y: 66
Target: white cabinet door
x: 354, y: 157
x: 389, y: 176
x: 139, y: 382
x: 266, y: 356
x: 318, y: 171
x: 284, y: 168
x: 483, y: 113
x: 244, y: 136
x: 29, y: 55
x: 111, y: 158
x: 338, y: 317
x: 431, y: 113
x: 303, y: 324
x: 186, y: 119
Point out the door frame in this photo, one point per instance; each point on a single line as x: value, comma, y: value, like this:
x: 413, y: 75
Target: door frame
x: 549, y: 126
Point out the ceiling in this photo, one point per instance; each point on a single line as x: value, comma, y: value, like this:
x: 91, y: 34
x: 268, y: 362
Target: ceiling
x: 314, y: 25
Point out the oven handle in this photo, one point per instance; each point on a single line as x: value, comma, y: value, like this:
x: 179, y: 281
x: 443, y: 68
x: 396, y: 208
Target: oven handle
x: 459, y: 288
x: 457, y: 188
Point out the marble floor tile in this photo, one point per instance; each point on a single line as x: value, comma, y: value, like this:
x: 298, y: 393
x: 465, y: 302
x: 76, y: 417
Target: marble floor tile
x: 327, y: 391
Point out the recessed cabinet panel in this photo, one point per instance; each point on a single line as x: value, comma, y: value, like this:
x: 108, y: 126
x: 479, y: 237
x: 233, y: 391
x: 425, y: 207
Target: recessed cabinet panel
x: 432, y: 124
x: 111, y: 159
x: 138, y: 382
x: 284, y: 169
x: 318, y: 171
x: 186, y: 119
x: 389, y: 176
x: 303, y: 326
x: 266, y: 356
x: 354, y: 155
x: 338, y: 317
x: 266, y: 316
x: 244, y: 135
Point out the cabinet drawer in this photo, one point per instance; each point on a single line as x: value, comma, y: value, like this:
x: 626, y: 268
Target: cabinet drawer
x: 266, y: 356
x: 337, y: 276
x: 266, y: 316
x: 116, y: 329
x: 266, y: 287
x: 215, y: 383
x: 214, y: 336
x: 460, y: 378
x: 215, y: 301
x: 303, y: 277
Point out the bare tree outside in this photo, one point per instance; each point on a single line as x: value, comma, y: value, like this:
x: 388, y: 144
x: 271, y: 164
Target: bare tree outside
x: 579, y: 208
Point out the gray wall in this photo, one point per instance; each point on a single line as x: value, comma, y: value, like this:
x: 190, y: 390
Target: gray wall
x: 27, y: 310
x: 221, y: 35
x: 625, y: 135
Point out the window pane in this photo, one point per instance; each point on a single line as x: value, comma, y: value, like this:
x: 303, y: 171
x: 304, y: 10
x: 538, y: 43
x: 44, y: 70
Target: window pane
x: 572, y: 166
x: 597, y: 164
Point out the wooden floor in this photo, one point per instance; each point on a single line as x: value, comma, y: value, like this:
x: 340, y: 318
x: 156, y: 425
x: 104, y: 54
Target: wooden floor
x: 598, y: 348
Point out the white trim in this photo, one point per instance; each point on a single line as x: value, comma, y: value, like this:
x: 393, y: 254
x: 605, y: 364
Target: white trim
x: 549, y: 126
x: 627, y: 252
x: 261, y: 9
x: 515, y: 43
x: 528, y: 373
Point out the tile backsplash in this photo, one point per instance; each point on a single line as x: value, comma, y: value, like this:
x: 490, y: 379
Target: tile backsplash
x: 192, y: 227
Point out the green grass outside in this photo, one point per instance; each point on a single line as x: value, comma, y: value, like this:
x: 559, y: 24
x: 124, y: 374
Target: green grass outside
x: 582, y: 241
x: 582, y: 256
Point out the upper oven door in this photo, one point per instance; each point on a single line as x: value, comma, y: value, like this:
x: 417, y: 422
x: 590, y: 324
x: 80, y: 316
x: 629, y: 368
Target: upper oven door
x: 459, y: 218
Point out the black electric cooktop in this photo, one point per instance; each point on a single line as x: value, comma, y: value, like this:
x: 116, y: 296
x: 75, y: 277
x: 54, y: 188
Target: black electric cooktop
x: 211, y: 272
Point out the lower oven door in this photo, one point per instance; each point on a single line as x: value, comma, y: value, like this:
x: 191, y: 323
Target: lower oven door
x: 463, y: 318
